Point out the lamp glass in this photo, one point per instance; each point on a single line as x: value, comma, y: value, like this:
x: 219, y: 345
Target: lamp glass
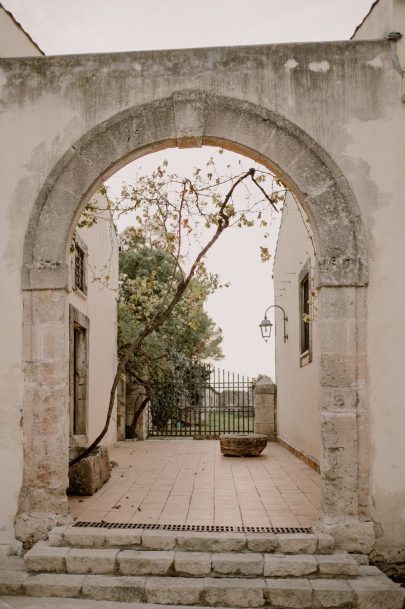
x: 265, y: 328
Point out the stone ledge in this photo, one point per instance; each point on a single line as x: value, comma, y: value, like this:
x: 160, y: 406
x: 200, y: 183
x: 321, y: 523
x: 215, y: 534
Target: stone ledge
x: 289, y: 543
x: 100, y: 561
x: 132, y: 562
x: 367, y: 592
x: 233, y: 592
x: 120, y: 589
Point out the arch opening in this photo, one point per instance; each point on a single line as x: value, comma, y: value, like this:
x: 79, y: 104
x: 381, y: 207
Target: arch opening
x: 190, y: 119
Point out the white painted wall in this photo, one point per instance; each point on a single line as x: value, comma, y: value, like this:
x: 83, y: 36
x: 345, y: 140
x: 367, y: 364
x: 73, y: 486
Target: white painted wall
x: 379, y: 157
x: 14, y: 41
x: 100, y: 306
x: 385, y: 17
x: 298, y: 420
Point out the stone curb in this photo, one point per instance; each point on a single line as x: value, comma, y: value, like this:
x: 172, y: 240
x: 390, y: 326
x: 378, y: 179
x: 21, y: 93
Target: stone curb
x: 360, y: 593
x: 288, y: 543
x: 107, y: 561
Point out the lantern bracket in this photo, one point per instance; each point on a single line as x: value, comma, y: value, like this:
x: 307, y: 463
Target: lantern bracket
x: 267, y: 323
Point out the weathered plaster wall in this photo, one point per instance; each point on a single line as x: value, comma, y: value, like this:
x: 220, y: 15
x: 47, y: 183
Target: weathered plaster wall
x: 14, y: 42
x: 346, y: 96
x: 298, y: 416
x: 99, y: 304
x: 385, y: 17
x: 386, y: 329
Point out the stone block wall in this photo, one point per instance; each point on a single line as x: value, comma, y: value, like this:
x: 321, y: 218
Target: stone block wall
x: 264, y: 404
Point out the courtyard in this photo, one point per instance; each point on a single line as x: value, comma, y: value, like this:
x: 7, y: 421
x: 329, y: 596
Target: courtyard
x: 189, y: 482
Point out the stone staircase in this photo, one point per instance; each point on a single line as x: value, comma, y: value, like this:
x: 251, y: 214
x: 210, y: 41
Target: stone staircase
x: 223, y: 569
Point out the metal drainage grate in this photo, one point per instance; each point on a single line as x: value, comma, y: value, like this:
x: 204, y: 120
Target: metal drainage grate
x: 191, y: 527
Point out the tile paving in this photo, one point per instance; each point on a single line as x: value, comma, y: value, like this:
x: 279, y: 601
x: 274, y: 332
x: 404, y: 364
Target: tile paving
x: 189, y: 482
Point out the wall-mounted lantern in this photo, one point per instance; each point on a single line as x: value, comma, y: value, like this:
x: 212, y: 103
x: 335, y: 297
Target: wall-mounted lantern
x: 266, y: 325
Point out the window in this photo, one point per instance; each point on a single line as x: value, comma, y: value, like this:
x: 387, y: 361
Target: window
x: 79, y: 374
x: 79, y: 381
x: 305, y: 344
x: 80, y: 274
x: 305, y: 314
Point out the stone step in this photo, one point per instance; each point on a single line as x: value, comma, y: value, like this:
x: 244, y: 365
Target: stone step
x: 108, y: 561
x: 8, y: 545
x: 371, y: 590
x: 285, y: 543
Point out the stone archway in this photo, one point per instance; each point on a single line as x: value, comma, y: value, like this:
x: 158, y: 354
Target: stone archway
x: 192, y: 119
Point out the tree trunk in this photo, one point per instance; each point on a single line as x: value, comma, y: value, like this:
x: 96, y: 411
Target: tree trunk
x: 136, y: 416
x: 135, y: 345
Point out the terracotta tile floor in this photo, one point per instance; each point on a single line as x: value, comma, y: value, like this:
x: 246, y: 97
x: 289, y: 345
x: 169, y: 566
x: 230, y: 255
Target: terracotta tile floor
x: 190, y: 482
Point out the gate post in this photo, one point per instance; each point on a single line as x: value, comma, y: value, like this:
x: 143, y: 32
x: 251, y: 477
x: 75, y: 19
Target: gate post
x: 264, y: 400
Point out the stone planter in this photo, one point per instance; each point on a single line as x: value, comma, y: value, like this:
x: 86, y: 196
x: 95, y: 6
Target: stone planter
x: 90, y: 474
x: 242, y: 445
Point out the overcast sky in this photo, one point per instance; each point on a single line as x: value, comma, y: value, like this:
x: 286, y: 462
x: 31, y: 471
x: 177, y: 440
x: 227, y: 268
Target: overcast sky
x: 99, y: 26
x: 91, y: 26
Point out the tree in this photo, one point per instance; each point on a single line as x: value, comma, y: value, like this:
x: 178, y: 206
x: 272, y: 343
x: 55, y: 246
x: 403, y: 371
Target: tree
x: 184, y: 217
x: 164, y: 365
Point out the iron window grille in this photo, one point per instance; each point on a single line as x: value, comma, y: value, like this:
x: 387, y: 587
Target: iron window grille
x: 305, y: 313
x: 80, y: 270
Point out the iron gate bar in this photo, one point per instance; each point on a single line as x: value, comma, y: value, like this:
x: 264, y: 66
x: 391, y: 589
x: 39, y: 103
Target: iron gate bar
x: 212, y: 402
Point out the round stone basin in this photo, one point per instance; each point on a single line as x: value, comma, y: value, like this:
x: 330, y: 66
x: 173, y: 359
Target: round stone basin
x: 242, y: 445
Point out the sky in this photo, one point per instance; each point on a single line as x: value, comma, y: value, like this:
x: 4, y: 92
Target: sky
x: 89, y: 26
x: 102, y: 26
x: 239, y: 308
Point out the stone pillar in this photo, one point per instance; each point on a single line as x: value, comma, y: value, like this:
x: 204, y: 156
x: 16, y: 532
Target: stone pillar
x: 142, y: 425
x: 343, y: 411
x: 264, y: 404
x: 43, y: 502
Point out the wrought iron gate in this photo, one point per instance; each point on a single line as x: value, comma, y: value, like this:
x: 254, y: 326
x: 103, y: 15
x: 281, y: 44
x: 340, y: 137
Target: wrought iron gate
x: 210, y: 403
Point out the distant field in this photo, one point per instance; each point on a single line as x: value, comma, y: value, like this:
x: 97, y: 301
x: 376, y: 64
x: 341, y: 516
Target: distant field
x: 215, y: 423
x: 223, y: 421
